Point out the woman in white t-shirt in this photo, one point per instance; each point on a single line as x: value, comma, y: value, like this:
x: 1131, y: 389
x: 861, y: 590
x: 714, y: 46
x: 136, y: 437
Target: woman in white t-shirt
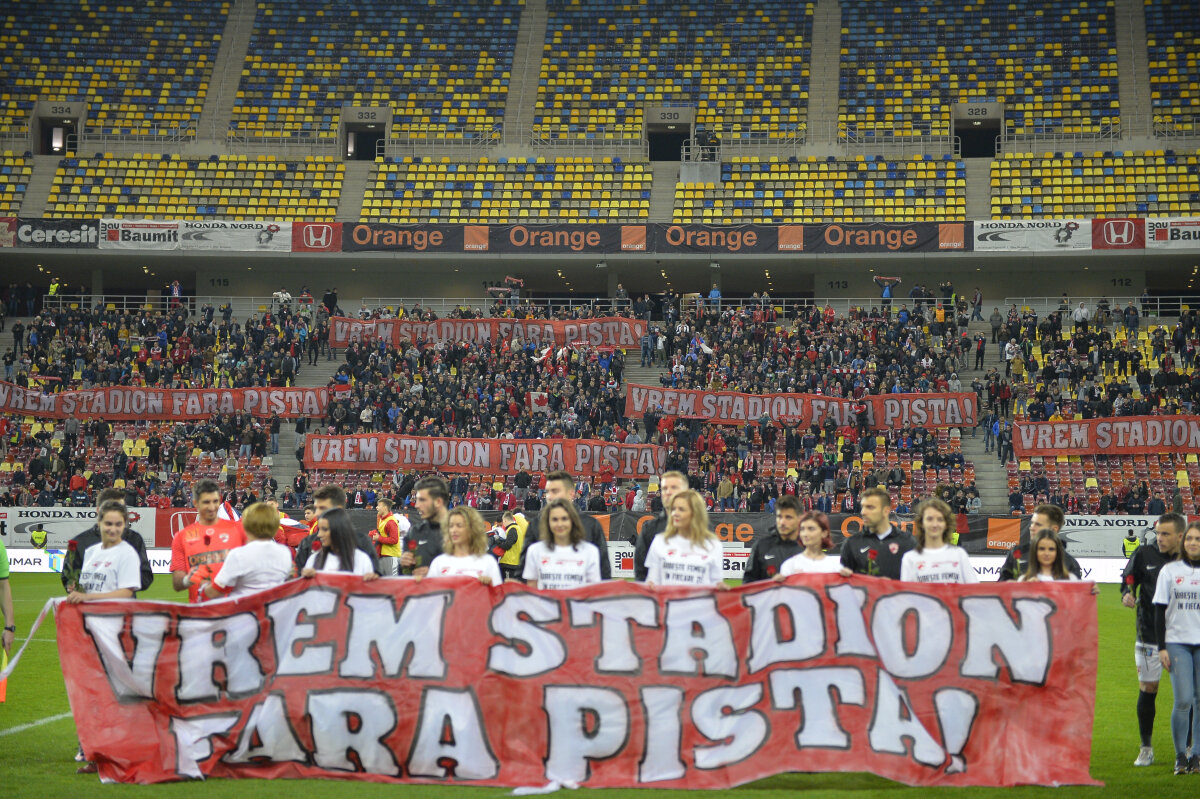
x: 1177, y: 628
x: 815, y: 538
x: 1049, y: 562
x: 466, y: 549
x: 259, y: 564
x: 339, y: 550
x: 935, y: 560
x: 561, y: 558
x: 687, y: 552
x: 111, y: 569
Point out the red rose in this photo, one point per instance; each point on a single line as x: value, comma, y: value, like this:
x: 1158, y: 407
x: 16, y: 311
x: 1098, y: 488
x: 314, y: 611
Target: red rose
x: 73, y: 545
x: 871, y: 555
x: 1129, y: 579
x: 1017, y: 554
x: 771, y: 571
x: 316, y: 544
x: 412, y: 546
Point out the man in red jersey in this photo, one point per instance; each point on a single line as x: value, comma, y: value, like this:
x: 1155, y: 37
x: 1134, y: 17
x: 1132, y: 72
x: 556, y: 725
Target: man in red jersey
x: 199, y: 549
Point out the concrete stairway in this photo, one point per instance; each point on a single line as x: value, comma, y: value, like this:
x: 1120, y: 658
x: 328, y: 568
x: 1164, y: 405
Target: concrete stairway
x: 285, y: 465
x: 662, y: 190
x: 525, y: 72
x: 354, y: 189
x: 40, y: 182
x: 1133, y: 68
x: 823, y: 81
x: 979, y: 192
x: 227, y: 72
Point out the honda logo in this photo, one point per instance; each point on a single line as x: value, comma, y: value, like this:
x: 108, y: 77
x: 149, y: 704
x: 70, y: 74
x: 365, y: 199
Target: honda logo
x: 1119, y: 232
x: 318, y: 237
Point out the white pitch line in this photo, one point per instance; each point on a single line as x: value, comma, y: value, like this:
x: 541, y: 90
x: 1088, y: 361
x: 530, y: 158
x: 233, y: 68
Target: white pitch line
x: 32, y: 724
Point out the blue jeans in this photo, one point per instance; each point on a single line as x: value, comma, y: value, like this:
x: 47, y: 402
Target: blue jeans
x: 1185, y: 684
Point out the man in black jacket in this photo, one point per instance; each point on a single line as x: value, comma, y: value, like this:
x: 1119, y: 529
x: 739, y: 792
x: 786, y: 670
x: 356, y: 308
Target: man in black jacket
x: 326, y: 498
x: 669, y: 484
x: 423, y: 543
x: 778, y: 544
x: 879, y: 547
x: 1138, y: 583
x: 560, y: 485
x: 73, y: 561
x: 1045, y: 517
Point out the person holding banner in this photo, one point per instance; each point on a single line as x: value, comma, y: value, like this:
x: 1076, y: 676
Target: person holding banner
x: 466, y: 552
x: 1045, y: 518
x: 688, y: 552
x: 198, y: 550
x: 339, y: 550
x: 815, y: 538
x: 1139, y: 581
x: 73, y: 559
x: 561, y: 485
x: 327, y: 498
x: 261, y: 564
x: 879, y: 547
x: 561, y: 557
x: 1048, y: 563
x: 423, y: 543
x: 778, y: 545
x: 111, y: 568
x: 1177, y: 632
x: 669, y: 484
x: 935, y: 560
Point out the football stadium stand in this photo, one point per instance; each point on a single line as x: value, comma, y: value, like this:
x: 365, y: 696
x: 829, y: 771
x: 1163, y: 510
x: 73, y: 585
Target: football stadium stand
x: 1173, y: 47
x: 577, y: 189
x: 1053, y: 64
x: 743, y: 65
x: 143, y: 68
x: 1155, y: 183
x: 14, y: 179
x: 442, y: 66
x: 865, y: 189
x: 178, y: 187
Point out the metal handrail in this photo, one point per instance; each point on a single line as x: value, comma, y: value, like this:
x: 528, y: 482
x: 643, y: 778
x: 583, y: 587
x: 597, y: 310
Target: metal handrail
x: 1148, y: 306
x: 475, y: 140
x: 243, y: 307
x: 1182, y: 126
x: 1008, y: 141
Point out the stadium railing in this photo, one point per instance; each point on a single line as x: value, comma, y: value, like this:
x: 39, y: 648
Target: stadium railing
x: 1166, y: 306
x: 1108, y: 136
x: 243, y: 307
x: 1177, y: 126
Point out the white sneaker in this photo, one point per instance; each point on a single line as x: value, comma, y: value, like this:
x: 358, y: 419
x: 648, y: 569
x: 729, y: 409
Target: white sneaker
x: 1145, y: 757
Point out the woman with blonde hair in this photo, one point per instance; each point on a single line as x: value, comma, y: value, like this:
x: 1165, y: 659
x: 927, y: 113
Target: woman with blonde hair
x: 688, y: 552
x: 466, y: 552
x: 935, y: 560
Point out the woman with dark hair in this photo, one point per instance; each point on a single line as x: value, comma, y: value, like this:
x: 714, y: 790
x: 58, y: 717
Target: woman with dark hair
x: 111, y: 568
x: 1049, y: 561
x: 466, y: 552
x: 339, y: 550
x: 935, y: 560
x: 815, y: 538
x: 1177, y: 629
x: 561, y: 558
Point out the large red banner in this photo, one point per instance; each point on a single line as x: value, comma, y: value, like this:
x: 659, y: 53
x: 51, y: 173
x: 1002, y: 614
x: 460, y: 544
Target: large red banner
x: 884, y: 411
x: 118, y: 403
x: 385, y: 451
x: 612, y: 685
x: 1123, y: 435
x: 615, y: 331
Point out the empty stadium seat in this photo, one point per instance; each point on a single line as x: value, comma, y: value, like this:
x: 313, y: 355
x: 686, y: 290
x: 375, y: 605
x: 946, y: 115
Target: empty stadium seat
x: 14, y: 180
x: 1173, y: 48
x: 178, y: 187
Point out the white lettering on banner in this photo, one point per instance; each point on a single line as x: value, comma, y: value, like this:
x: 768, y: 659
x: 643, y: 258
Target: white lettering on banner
x: 1128, y: 435
x: 123, y: 402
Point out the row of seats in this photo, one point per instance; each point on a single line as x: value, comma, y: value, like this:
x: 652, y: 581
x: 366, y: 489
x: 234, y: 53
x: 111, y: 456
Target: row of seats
x: 176, y: 187
x: 577, y: 189
x: 1154, y: 183
x: 1173, y: 49
x: 822, y: 190
x: 1087, y: 479
x: 14, y: 180
x: 142, y: 68
x: 1053, y: 64
x: 443, y: 66
x: 744, y: 64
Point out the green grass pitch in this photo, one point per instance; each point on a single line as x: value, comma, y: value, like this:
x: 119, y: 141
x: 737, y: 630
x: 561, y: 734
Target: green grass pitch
x: 37, y: 762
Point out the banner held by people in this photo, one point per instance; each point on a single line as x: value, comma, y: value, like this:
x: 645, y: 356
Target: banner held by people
x: 425, y: 681
x: 613, y: 331
x: 884, y: 411
x: 122, y: 403
x: 385, y: 451
x: 1125, y: 435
